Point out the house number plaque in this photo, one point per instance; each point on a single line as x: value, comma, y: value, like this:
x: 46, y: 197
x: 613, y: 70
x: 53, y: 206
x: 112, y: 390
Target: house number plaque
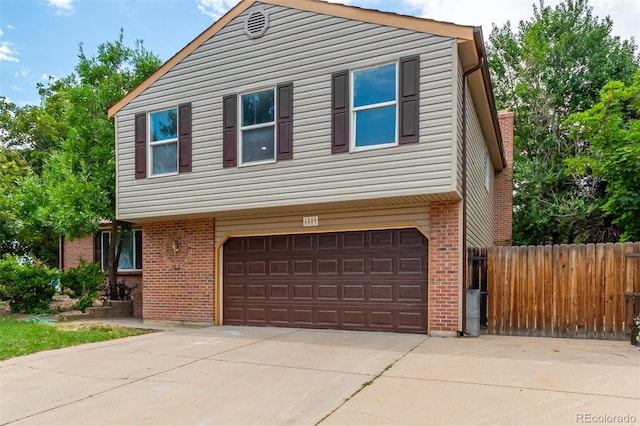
x: 310, y: 221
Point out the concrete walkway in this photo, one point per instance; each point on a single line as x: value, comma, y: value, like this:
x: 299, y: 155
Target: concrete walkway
x: 273, y: 376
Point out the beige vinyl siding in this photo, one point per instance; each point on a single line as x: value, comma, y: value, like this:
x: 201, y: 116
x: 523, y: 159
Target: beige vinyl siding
x: 304, y: 48
x: 328, y: 220
x: 480, y: 225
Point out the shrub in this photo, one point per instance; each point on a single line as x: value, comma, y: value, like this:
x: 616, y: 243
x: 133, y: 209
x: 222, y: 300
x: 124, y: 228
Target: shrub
x: 83, y: 281
x: 27, y: 286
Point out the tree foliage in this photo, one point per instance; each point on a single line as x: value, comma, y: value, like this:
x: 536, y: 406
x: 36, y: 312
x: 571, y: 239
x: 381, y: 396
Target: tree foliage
x: 76, y: 188
x: 553, y: 66
x: 608, y: 140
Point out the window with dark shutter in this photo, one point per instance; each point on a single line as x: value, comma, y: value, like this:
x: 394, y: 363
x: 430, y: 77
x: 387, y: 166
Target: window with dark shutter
x: 340, y: 112
x: 184, y: 137
x: 230, y: 131
x: 140, y: 140
x: 284, y: 125
x: 409, y: 99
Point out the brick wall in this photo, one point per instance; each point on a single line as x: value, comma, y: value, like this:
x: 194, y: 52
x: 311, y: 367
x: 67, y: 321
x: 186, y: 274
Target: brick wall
x: 178, y: 271
x: 74, y: 250
x: 444, y: 267
x: 503, y: 199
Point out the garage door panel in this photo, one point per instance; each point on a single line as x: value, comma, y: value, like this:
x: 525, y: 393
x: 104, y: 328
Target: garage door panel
x: 328, y: 266
x: 353, y: 266
x: 278, y: 267
x: 303, y: 291
x: 328, y: 292
x: 382, y: 292
x: 352, y: 280
x: 257, y: 244
x: 381, y: 266
x: 302, y: 267
x: 411, y: 265
x: 278, y: 291
x: 279, y: 243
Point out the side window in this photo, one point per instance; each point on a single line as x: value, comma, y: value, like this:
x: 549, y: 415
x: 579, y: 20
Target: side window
x: 257, y: 127
x: 131, y: 255
x: 163, y: 141
x: 374, y: 111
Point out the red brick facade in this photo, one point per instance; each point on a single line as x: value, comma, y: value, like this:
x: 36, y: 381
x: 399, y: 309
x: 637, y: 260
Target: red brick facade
x: 83, y: 248
x: 178, y: 271
x: 503, y: 197
x: 444, y: 267
x: 74, y: 250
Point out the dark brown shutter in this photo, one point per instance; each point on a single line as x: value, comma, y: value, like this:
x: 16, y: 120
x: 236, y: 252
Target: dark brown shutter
x: 284, y: 123
x: 409, y: 99
x: 340, y: 112
x: 184, y: 137
x: 97, y: 247
x: 140, y: 139
x: 230, y: 131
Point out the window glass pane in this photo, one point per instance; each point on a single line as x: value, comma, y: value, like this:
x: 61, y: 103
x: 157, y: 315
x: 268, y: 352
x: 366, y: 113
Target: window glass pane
x: 374, y: 85
x: 376, y: 126
x: 258, y: 144
x: 138, y: 251
x: 165, y: 158
x: 164, y: 125
x: 126, y: 255
x: 257, y: 108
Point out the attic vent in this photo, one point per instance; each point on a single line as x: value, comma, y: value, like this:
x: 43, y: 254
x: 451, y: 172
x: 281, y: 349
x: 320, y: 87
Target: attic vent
x: 256, y: 24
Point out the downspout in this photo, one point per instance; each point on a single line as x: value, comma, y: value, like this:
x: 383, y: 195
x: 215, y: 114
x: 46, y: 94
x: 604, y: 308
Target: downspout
x: 464, y: 178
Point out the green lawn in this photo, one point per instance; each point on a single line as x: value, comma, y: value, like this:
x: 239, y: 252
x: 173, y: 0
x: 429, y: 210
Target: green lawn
x: 21, y: 338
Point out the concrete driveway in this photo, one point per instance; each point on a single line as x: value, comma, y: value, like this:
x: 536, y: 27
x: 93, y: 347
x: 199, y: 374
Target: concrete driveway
x: 243, y: 375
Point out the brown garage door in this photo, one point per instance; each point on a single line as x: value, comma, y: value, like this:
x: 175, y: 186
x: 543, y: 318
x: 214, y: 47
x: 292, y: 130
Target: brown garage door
x: 370, y: 280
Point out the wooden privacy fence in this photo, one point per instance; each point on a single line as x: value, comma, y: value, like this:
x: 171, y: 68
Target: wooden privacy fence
x: 582, y: 291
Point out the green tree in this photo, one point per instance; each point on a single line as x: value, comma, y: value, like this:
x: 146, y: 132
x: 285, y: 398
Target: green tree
x: 76, y: 189
x: 608, y: 140
x: 555, y: 65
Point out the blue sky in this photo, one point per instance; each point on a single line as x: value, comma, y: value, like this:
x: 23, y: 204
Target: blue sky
x: 41, y: 38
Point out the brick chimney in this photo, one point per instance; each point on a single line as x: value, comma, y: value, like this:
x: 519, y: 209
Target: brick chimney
x: 503, y: 197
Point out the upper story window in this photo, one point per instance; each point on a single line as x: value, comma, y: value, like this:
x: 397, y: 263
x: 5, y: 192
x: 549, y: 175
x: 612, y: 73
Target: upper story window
x: 163, y: 141
x: 257, y: 126
x: 131, y: 254
x: 374, y: 111
x: 376, y: 106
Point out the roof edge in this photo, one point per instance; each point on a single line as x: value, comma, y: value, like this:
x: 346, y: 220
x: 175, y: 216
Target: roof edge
x: 447, y: 29
x: 182, y: 53
x: 486, y: 77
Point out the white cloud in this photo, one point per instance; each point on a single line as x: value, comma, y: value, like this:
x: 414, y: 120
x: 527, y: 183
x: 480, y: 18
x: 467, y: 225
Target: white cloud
x: 7, y: 53
x: 1, y: 33
x: 22, y: 73
x: 64, y: 7
x: 215, y: 8
x: 16, y: 88
x: 11, y: 27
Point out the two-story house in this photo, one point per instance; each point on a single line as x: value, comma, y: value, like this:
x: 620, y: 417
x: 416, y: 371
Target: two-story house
x: 302, y: 163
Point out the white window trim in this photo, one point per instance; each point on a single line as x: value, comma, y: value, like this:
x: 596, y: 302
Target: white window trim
x: 103, y: 266
x: 354, y: 110
x: 151, y: 143
x: 273, y: 124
